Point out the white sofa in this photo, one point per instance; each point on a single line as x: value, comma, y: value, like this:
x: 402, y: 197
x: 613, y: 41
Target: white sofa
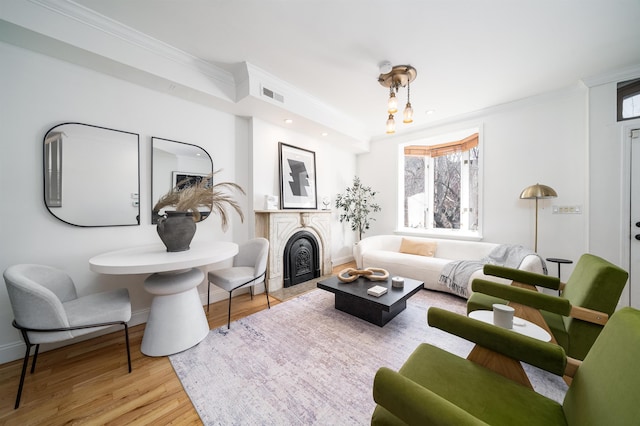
x: 383, y: 251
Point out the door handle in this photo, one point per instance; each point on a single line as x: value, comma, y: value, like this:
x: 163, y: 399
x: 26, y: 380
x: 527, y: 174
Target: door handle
x: 637, y: 224
x: 638, y: 237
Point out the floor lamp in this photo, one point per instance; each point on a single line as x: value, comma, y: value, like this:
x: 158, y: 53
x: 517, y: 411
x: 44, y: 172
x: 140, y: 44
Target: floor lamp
x: 536, y: 192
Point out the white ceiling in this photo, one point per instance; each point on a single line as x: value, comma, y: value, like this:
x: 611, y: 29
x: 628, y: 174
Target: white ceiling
x: 470, y: 54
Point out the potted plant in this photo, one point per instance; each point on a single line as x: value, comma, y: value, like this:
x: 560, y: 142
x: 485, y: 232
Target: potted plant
x: 176, y: 227
x: 357, y: 205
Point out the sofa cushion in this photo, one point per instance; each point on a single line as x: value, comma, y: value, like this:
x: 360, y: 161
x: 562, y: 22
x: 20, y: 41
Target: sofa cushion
x: 421, y: 248
x: 464, y: 250
x: 425, y: 269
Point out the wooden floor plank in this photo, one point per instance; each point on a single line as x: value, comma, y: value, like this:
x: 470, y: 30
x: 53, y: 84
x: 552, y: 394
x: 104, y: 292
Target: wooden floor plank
x: 88, y: 383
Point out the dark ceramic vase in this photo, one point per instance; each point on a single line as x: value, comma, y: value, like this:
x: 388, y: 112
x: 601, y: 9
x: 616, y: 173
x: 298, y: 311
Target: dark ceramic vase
x: 176, y: 230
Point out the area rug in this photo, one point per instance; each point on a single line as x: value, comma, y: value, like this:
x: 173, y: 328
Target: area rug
x: 303, y: 362
x: 288, y: 293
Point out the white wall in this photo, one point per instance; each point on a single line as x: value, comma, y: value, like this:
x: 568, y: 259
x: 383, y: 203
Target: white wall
x: 39, y: 92
x: 537, y: 140
x: 335, y: 169
x: 609, y: 166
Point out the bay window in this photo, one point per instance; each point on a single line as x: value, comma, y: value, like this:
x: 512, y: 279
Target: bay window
x: 441, y: 184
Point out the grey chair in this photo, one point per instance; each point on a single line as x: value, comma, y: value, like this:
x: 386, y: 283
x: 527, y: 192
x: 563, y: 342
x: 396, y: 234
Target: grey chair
x: 249, y: 268
x: 47, y: 309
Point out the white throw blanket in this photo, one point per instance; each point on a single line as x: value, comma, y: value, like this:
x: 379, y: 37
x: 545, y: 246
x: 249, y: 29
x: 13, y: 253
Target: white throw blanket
x: 455, y: 275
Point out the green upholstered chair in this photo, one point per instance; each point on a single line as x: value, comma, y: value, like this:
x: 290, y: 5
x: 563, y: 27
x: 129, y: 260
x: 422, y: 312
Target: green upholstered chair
x: 435, y: 387
x: 576, y: 317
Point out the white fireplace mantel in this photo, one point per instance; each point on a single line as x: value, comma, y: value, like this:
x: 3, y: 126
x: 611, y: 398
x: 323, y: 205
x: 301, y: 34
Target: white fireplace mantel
x: 279, y: 225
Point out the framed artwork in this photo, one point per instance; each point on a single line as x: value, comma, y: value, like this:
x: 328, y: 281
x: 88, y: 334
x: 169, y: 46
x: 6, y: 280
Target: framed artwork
x: 183, y: 180
x: 297, y: 177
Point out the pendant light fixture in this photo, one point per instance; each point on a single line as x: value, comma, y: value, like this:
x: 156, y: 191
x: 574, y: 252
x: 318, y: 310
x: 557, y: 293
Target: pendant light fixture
x: 408, y: 111
x: 394, y: 78
x: 391, y: 124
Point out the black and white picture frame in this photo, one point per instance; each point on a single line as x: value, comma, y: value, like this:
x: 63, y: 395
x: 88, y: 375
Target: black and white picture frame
x: 183, y: 180
x: 297, y: 177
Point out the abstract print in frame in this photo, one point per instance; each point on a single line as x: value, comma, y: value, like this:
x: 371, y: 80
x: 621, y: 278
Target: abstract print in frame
x: 297, y: 177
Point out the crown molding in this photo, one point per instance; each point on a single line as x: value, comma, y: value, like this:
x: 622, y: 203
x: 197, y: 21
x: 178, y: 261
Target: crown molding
x: 77, y: 34
x: 624, y: 74
x: 134, y: 37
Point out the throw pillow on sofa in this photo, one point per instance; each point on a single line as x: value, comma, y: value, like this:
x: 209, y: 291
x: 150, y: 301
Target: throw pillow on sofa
x: 421, y: 248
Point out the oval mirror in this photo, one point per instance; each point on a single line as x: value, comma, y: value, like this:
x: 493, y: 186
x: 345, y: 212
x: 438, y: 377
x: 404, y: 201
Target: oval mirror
x: 176, y: 162
x: 91, y: 175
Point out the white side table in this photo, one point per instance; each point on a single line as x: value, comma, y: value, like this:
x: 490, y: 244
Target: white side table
x: 520, y: 325
x: 176, y: 320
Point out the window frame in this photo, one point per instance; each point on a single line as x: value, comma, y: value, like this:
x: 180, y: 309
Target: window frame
x: 431, y: 138
x: 626, y: 89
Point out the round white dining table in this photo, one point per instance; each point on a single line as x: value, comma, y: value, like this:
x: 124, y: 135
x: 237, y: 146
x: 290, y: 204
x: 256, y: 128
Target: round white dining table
x: 176, y: 320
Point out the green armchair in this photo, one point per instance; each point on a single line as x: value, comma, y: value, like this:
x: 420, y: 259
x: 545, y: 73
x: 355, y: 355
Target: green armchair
x: 576, y: 317
x: 435, y: 387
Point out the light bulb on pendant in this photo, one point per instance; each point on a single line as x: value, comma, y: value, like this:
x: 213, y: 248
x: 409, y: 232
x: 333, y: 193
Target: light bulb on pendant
x: 408, y: 111
x: 391, y: 124
x: 408, y: 114
x: 392, y: 103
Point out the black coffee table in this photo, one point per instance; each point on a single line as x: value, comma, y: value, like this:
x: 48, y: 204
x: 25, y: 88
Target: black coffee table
x: 353, y: 299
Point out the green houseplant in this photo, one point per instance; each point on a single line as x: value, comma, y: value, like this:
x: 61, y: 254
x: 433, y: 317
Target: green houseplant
x: 177, y: 227
x: 357, y: 205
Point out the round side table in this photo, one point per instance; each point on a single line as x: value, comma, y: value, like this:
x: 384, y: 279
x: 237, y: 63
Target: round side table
x: 559, y: 262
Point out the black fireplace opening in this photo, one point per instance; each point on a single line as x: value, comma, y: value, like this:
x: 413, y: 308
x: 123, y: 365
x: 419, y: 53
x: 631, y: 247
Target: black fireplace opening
x: 301, y: 259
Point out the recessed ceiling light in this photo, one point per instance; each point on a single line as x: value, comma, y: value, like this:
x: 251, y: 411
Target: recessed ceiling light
x: 324, y: 134
x: 431, y: 111
x: 288, y: 121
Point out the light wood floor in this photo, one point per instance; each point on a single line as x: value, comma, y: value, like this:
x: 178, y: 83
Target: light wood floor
x: 88, y: 383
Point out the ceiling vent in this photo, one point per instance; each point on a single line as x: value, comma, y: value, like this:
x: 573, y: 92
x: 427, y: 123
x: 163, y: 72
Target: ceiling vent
x: 272, y: 95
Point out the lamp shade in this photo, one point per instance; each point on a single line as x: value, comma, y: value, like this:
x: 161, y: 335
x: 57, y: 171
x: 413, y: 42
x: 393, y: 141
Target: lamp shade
x: 391, y: 124
x: 535, y: 192
x: 538, y: 191
x: 408, y: 114
x: 392, y: 103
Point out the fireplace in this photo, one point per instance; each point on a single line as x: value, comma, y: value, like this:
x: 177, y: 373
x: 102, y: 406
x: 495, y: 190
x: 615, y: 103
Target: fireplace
x: 300, y: 259
x: 311, y: 253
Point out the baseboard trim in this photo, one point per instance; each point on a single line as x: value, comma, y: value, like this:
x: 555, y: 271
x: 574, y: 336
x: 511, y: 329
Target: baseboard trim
x: 342, y: 261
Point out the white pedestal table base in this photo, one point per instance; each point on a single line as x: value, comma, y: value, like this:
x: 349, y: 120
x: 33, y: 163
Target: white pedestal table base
x: 177, y: 320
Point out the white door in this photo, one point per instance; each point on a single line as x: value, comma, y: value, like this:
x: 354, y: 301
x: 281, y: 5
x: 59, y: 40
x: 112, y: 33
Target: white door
x: 634, y: 253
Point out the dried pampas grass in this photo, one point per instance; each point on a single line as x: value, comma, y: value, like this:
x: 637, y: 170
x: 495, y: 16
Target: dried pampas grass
x: 215, y: 198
